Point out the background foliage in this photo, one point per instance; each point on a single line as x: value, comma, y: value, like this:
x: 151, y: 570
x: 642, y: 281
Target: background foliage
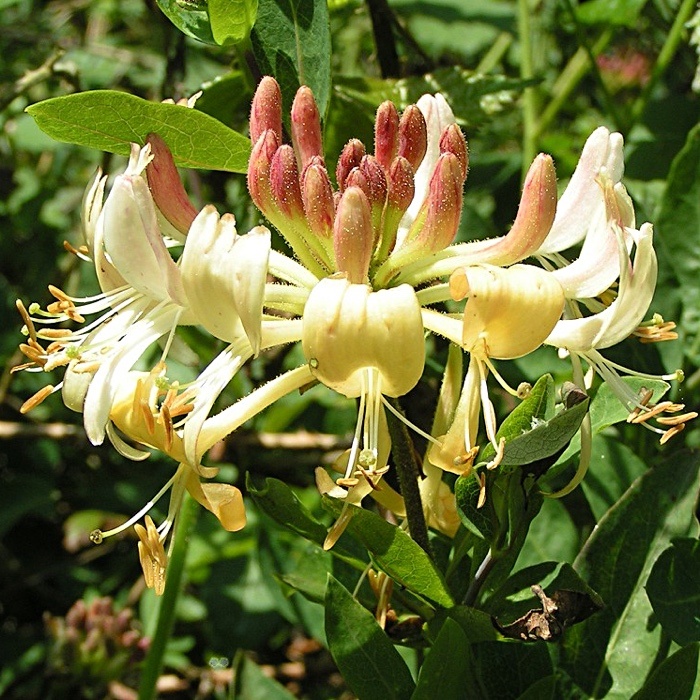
x: 521, y: 78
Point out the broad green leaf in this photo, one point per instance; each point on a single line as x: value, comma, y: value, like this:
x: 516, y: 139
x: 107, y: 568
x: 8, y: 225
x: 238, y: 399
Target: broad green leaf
x: 614, y: 649
x: 678, y: 229
x: 190, y: 17
x: 678, y: 677
x: 507, y: 669
x: 370, y: 664
x: 475, y: 624
x: 448, y: 670
x: 232, y: 20
x: 542, y: 689
x: 674, y: 590
x: 610, y: 12
x: 291, y: 41
x: 250, y: 683
x: 110, y: 121
x: 533, y: 431
x: 480, y: 521
x: 278, y: 501
x: 395, y: 553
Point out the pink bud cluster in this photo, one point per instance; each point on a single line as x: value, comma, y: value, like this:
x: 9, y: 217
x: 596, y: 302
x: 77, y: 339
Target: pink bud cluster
x: 354, y: 226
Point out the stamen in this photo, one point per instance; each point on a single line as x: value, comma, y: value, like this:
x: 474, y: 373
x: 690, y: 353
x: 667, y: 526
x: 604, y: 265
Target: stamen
x: 644, y: 399
x: 499, y: 455
x: 56, y: 333
x: 466, y: 460
x: 35, y: 400
x: 482, y: 491
x: 500, y: 380
x: 671, y: 432
x: 82, y: 252
x: 31, y: 330
x: 677, y: 420
x: 408, y: 423
x: 652, y: 412
x: 97, y: 536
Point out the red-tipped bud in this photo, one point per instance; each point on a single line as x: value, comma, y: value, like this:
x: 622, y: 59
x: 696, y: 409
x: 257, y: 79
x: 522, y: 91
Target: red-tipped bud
x: 353, y: 238
x: 386, y: 133
x: 350, y: 158
x: 259, y: 169
x: 401, y: 187
x: 266, y: 110
x: 317, y: 194
x: 436, y: 223
x: 413, y: 136
x: 538, y: 205
x: 284, y: 182
x: 306, y: 127
x: 166, y: 186
x: 452, y: 141
x: 400, y: 192
x: 357, y: 178
x: 376, y: 180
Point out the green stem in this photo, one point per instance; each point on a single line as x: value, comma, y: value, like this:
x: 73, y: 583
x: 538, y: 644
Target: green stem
x: 574, y: 71
x: 153, y: 664
x: 590, y: 52
x: 526, y: 73
x: 668, y: 51
x: 407, y: 471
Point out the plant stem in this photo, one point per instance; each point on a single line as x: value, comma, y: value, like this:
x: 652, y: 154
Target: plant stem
x: 153, y: 664
x: 382, y: 21
x: 407, y: 470
x: 526, y: 73
x: 667, y: 53
x: 479, y: 578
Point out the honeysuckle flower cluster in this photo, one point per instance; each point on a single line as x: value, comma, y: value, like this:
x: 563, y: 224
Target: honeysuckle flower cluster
x: 372, y: 269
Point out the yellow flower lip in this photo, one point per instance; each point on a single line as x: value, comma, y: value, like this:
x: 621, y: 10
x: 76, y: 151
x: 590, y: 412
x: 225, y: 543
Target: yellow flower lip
x: 510, y: 311
x: 348, y: 328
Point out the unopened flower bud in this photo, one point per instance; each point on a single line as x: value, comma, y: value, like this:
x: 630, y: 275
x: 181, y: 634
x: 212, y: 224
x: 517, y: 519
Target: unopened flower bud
x: 259, y: 170
x: 413, y: 136
x: 400, y: 192
x: 386, y: 132
x: 284, y: 182
x: 353, y: 238
x: 452, y: 141
x: 166, y: 186
x: 306, y: 127
x: 350, y: 158
x: 317, y: 194
x: 538, y: 205
x: 266, y: 110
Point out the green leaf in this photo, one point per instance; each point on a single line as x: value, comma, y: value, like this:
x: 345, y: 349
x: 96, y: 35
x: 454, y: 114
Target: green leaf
x: 190, y: 17
x: 250, y: 683
x: 614, y: 649
x: 395, y: 553
x: 475, y: 624
x: 111, y: 121
x: 475, y: 519
x: 370, y: 664
x: 674, y: 590
x: 678, y: 227
x: 440, y: 677
x: 677, y: 678
x: 291, y: 40
x: 232, y: 20
x: 277, y: 500
x: 610, y: 12
x: 532, y: 431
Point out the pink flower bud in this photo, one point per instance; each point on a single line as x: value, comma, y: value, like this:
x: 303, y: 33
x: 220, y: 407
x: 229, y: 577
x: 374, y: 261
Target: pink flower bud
x: 166, y: 186
x: 284, y: 182
x: 376, y: 180
x: 317, y: 194
x: 452, y: 141
x: 538, y: 205
x: 353, y: 237
x: 266, y: 110
x: 306, y: 127
x: 350, y: 158
x: 400, y: 192
x: 259, y: 170
x: 413, y: 136
x: 436, y: 223
x: 386, y: 131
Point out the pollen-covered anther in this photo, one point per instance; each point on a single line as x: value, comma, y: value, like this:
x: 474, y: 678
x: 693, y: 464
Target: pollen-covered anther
x: 35, y: 400
x: 677, y: 420
x: 656, y: 331
x: 152, y: 555
x: 81, y: 251
x: 55, y: 333
x: 671, y: 432
x: 466, y: 460
x: 34, y: 352
x: 348, y: 482
x: 166, y: 420
x: 482, y: 491
x: 643, y: 416
x: 29, y: 324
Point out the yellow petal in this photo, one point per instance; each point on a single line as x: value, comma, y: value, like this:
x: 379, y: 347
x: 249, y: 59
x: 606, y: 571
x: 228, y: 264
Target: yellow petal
x: 224, y: 500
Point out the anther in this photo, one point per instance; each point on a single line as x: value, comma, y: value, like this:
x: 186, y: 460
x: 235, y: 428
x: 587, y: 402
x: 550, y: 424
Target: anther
x: 35, y: 400
x: 26, y: 318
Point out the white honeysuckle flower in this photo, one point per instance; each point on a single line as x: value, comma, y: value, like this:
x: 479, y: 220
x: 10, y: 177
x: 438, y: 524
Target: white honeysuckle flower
x: 581, y: 203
